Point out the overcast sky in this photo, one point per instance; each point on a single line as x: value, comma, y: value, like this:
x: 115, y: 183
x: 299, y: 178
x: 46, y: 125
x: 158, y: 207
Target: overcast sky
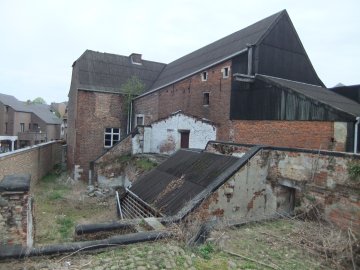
x: 39, y: 40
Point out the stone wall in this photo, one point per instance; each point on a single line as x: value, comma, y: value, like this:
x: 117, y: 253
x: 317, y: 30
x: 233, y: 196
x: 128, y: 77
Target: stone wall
x: 37, y: 160
x: 318, y: 178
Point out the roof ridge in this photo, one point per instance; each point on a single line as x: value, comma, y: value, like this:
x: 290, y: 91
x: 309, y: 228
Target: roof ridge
x: 278, y: 16
x: 264, y: 75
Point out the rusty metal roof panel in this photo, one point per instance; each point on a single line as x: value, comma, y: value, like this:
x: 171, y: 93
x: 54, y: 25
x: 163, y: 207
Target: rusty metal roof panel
x: 186, y: 174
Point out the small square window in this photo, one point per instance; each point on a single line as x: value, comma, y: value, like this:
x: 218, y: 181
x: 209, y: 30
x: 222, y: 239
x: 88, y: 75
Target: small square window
x: 204, y: 76
x: 206, y: 99
x: 139, y: 118
x: 225, y: 71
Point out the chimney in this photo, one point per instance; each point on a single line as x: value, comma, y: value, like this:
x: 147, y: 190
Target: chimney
x: 135, y: 58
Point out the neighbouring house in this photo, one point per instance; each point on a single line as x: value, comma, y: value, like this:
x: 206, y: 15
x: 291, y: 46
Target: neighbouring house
x: 257, y: 86
x: 23, y: 124
x: 61, y: 111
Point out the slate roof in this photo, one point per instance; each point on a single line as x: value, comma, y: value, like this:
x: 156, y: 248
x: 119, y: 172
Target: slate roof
x: 44, y: 113
x: 40, y: 110
x: 215, y: 52
x: 12, y: 102
x: 108, y: 72
x: 317, y: 93
x: 182, y: 178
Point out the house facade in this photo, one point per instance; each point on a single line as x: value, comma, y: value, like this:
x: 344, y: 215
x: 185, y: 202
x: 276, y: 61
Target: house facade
x: 23, y: 124
x: 257, y: 86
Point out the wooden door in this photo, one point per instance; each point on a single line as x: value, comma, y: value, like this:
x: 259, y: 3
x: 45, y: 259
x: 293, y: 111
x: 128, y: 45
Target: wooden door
x: 184, y: 141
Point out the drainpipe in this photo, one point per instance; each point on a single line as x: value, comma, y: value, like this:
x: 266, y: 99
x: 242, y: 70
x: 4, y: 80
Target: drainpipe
x: 356, y: 134
x: 130, y: 115
x: 250, y: 59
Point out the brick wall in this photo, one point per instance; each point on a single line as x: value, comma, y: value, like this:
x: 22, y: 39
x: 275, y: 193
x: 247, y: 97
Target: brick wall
x: 188, y: 95
x: 13, y: 218
x: 95, y: 112
x: 300, y: 134
x: 36, y: 161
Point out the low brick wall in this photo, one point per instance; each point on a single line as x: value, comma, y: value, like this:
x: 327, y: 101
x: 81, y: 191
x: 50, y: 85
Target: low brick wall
x: 15, y: 211
x: 36, y: 161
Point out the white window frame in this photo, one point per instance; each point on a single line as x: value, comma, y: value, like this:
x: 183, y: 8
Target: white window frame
x: 143, y: 119
x: 223, y: 72
x: 204, y: 76
x: 111, y: 132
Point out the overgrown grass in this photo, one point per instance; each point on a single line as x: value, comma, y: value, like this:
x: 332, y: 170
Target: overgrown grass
x: 66, y: 225
x: 145, y: 164
x: 354, y: 170
x: 60, y: 206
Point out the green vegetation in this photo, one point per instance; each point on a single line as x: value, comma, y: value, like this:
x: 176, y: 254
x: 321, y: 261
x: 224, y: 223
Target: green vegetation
x: 66, y: 225
x: 145, y: 164
x: 206, y: 250
x: 354, y: 170
x: 59, y: 206
x: 133, y: 87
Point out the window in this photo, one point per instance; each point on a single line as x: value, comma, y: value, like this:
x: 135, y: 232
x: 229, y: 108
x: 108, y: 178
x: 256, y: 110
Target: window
x: 35, y: 127
x: 22, y: 127
x: 111, y: 136
x: 225, y: 71
x: 204, y: 76
x: 29, y: 126
x: 6, y: 127
x: 206, y: 99
x: 139, y: 119
x: 7, y: 108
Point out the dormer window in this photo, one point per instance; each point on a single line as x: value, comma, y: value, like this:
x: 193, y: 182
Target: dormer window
x: 225, y: 72
x: 204, y: 76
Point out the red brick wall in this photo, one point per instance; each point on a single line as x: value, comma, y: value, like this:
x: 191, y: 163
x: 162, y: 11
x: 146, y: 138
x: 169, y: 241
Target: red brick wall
x: 187, y: 95
x: 95, y: 112
x: 300, y: 134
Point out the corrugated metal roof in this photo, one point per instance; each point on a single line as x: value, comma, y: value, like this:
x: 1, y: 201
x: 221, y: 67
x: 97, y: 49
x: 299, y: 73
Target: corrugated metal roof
x: 215, y: 51
x: 108, y: 72
x: 317, y: 93
x: 182, y: 177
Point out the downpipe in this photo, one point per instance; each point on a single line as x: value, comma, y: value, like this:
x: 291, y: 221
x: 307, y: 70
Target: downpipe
x: 356, y: 135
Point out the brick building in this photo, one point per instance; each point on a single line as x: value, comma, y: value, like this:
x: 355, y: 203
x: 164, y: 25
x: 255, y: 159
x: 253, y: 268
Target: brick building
x: 24, y: 124
x: 256, y: 85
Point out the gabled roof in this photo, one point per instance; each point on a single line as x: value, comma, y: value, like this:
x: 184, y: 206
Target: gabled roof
x: 43, y: 112
x: 182, y: 178
x: 216, y: 52
x: 108, y: 72
x: 40, y: 110
x: 12, y: 102
x: 318, y: 93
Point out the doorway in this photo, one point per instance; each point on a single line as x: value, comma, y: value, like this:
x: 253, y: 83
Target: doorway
x: 184, y: 138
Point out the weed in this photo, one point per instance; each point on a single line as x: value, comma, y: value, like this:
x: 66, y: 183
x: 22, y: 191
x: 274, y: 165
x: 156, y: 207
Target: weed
x: 55, y: 195
x: 66, y: 225
x: 206, y: 250
x: 145, y: 164
x: 310, y: 198
x: 354, y: 170
x: 49, y: 178
x: 180, y: 260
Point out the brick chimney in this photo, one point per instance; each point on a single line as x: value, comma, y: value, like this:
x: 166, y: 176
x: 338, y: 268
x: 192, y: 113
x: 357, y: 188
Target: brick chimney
x: 136, y: 58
